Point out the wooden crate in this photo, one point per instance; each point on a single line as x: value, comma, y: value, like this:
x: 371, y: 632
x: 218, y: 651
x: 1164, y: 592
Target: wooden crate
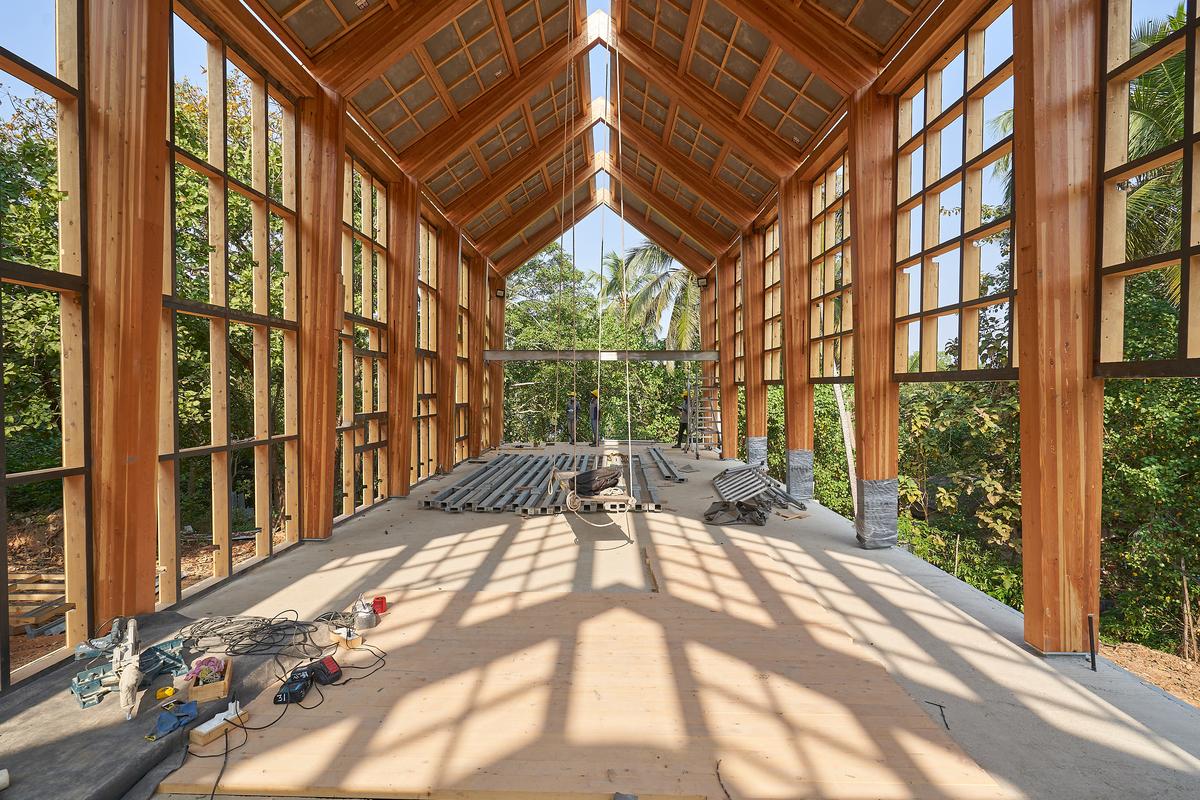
x: 212, y: 691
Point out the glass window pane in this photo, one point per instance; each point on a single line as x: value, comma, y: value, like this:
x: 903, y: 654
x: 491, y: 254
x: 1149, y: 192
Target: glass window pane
x: 29, y: 195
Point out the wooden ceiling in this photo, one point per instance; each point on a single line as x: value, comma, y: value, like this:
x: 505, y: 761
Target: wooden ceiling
x: 719, y: 100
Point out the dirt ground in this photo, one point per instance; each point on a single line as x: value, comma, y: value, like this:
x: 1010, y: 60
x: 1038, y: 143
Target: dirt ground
x: 1166, y: 671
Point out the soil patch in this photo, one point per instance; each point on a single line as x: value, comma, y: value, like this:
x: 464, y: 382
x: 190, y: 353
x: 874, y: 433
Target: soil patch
x: 1167, y: 671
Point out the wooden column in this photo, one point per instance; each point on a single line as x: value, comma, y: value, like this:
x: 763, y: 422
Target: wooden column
x: 708, y: 325
x: 729, y: 391
x: 322, y: 161
x: 127, y: 174
x: 403, y: 220
x: 449, y: 250
x: 476, y: 298
x: 752, y: 334
x: 497, y: 284
x: 1062, y: 404
x: 876, y: 395
x: 795, y: 226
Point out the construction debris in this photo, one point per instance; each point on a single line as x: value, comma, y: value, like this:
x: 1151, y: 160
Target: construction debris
x: 743, y: 483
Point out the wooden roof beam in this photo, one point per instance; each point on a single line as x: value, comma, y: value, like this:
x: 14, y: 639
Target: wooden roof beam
x: 367, y: 50
x: 434, y: 150
x: 814, y: 40
x: 536, y: 208
x: 685, y: 254
x: 774, y: 158
x: 733, y: 205
x: 681, y: 217
x: 534, y: 246
x: 470, y: 204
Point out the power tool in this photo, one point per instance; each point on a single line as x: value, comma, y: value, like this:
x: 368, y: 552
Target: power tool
x: 295, y: 687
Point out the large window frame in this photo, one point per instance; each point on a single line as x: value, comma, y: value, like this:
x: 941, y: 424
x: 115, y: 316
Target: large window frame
x: 831, y: 276
x: 739, y: 322
x: 462, y: 362
x: 950, y: 282
x: 268, y: 452
x: 60, y: 278
x: 1122, y: 169
x: 772, y: 305
x: 425, y: 397
x: 362, y: 433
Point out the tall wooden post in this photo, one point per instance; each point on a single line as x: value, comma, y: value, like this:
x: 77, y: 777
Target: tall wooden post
x: 127, y: 169
x: 403, y: 219
x: 795, y: 223
x: 449, y: 251
x: 729, y: 391
x: 1062, y: 404
x: 476, y: 298
x: 876, y: 395
x: 322, y: 156
x: 496, y: 382
x: 753, y: 323
x: 708, y: 325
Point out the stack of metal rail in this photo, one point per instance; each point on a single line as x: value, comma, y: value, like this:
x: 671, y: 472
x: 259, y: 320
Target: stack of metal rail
x: 665, y: 466
x: 523, y: 483
x: 739, y: 484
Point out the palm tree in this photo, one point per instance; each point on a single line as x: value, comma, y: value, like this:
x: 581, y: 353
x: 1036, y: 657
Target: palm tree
x: 656, y: 290
x: 1156, y: 121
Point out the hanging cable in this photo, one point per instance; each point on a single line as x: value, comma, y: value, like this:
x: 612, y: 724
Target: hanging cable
x: 624, y: 282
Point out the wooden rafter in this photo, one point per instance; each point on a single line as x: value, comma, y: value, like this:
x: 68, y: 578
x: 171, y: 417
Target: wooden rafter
x: 536, y: 208
x: 534, y: 245
x: 732, y: 204
x: 685, y: 254
x: 682, y: 217
x: 814, y: 40
x: 368, y: 50
x: 471, y: 204
x: 773, y: 158
x: 506, y: 42
x: 430, y: 153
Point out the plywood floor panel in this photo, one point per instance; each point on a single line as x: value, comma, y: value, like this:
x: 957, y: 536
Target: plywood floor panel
x: 561, y: 695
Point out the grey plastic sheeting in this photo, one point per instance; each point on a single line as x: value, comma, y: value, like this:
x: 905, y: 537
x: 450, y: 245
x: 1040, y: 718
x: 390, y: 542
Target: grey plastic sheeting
x: 800, y: 474
x: 876, y: 520
x: 756, y: 450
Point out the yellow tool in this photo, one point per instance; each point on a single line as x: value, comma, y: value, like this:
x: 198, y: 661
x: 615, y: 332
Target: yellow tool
x: 164, y: 692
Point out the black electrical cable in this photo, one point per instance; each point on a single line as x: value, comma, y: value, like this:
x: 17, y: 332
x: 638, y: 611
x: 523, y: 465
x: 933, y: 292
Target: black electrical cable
x: 283, y: 636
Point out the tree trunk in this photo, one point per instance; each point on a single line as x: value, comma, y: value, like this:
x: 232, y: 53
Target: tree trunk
x: 848, y: 441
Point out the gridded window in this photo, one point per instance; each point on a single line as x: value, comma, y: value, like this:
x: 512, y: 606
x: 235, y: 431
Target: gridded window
x: 772, y: 306
x: 424, y: 442
x: 954, y: 270
x: 486, y: 426
x: 362, y: 440
x: 662, y: 24
x: 1148, y: 270
x: 535, y: 24
x: 43, y: 293
x: 739, y: 323
x: 461, y: 386
x: 831, y: 318
x: 402, y: 104
x: 229, y: 440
